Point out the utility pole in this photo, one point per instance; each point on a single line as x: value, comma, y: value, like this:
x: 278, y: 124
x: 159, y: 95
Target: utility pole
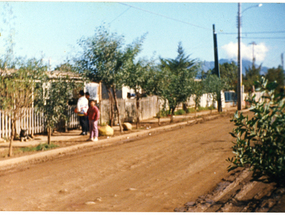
x: 217, y: 70
x: 239, y: 85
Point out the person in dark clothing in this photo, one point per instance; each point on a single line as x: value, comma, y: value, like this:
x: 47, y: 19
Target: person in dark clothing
x: 82, y: 108
x: 87, y: 95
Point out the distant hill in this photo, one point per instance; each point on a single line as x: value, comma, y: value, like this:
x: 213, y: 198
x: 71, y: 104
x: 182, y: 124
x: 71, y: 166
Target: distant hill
x: 206, y: 65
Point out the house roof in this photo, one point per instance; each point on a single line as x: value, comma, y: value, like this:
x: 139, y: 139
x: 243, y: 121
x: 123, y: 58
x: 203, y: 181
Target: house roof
x: 60, y: 74
x: 51, y: 74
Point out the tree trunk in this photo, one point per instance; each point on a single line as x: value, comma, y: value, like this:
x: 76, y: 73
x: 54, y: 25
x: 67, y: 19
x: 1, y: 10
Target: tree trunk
x: 10, y: 153
x: 172, y: 113
x: 185, y: 106
x: 158, y: 115
x: 65, y: 126
x: 196, y: 107
x: 49, y: 134
x: 111, y: 113
x: 117, y: 107
x: 138, y: 109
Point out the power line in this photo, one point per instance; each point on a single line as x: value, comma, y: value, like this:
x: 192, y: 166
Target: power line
x: 119, y: 15
x: 263, y: 38
x: 167, y: 17
x: 264, y: 32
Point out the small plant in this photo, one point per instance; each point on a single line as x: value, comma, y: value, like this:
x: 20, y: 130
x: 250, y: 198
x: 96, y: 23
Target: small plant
x: 43, y: 147
x: 260, y: 141
x: 162, y: 113
x: 40, y: 147
x: 179, y: 112
x: 190, y: 110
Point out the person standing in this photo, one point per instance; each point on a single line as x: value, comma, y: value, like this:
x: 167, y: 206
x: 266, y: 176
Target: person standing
x: 93, y: 114
x: 82, y: 108
x: 87, y: 95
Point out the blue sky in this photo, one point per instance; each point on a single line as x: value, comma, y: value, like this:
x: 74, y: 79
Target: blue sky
x: 52, y: 29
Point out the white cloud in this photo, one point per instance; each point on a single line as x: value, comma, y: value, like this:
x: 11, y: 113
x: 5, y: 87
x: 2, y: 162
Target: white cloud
x: 260, y: 51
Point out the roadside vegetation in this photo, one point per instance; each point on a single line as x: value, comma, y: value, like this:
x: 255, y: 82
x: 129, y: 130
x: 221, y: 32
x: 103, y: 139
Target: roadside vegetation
x: 40, y: 147
x: 260, y: 141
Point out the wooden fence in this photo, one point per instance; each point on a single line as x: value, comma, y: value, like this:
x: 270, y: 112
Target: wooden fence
x: 149, y: 107
x: 32, y: 120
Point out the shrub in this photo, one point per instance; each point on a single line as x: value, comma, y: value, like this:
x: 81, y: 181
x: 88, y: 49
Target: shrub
x: 191, y: 110
x: 40, y: 147
x: 162, y: 113
x: 179, y: 112
x: 206, y: 108
x: 260, y: 141
x: 43, y: 147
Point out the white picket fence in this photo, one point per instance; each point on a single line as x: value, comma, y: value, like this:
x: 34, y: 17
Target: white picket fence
x: 31, y: 120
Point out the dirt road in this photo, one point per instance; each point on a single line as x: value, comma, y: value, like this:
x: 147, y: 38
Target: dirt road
x: 154, y: 174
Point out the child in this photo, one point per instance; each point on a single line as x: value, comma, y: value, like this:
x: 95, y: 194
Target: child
x: 93, y: 114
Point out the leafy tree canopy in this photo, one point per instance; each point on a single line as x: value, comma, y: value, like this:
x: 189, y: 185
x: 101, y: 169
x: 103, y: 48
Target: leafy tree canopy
x: 252, y: 75
x: 276, y: 74
x: 178, y: 78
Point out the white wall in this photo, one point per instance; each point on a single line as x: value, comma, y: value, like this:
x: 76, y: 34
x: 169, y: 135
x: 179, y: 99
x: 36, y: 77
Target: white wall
x: 92, y: 89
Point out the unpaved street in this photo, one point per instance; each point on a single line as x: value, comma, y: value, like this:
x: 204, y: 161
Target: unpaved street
x: 154, y: 174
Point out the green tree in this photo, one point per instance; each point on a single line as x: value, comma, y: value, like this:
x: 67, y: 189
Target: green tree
x: 17, y: 90
x: 276, y: 74
x: 137, y: 78
x: 198, y: 92
x: 155, y: 85
x: 52, y: 99
x: 228, y: 72
x: 213, y: 85
x: 252, y: 75
x: 137, y: 73
x: 179, y: 74
x: 101, y: 60
x: 104, y: 60
x: 66, y: 67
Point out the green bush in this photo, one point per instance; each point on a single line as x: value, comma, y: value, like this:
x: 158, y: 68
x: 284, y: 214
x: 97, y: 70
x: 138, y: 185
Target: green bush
x: 43, y: 147
x: 260, y: 141
x: 163, y: 113
x: 190, y: 110
x: 179, y: 112
x: 40, y: 147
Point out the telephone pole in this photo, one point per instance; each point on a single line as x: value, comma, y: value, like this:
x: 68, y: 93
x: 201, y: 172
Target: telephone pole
x: 217, y: 70
x: 239, y: 85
